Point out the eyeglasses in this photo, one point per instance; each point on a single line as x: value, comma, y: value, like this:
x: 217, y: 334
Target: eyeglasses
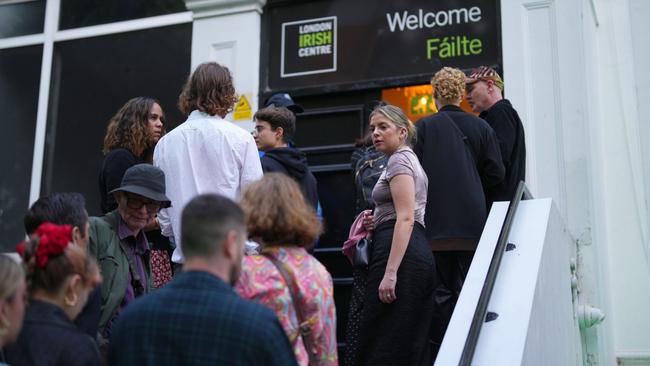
x: 259, y: 129
x: 136, y: 203
x: 470, y: 87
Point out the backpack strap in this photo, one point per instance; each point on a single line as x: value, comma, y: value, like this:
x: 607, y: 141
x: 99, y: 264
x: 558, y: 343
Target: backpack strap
x: 304, y: 326
x: 358, y: 179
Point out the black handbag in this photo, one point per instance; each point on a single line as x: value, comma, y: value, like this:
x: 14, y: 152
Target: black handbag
x: 361, y: 253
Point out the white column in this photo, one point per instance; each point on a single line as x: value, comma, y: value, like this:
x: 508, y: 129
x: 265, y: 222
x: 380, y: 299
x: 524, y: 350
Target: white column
x: 228, y: 32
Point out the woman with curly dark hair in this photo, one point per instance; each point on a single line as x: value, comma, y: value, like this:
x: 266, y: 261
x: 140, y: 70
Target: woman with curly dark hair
x: 131, y: 136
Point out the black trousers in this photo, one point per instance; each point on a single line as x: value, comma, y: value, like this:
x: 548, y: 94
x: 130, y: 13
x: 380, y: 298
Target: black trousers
x: 452, y: 268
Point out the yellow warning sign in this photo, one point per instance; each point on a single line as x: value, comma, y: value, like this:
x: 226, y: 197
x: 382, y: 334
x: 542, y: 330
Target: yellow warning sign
x: 243, y: 110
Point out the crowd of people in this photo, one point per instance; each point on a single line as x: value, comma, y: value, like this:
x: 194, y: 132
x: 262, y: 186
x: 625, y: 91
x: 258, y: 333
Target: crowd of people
x: 202, y: 253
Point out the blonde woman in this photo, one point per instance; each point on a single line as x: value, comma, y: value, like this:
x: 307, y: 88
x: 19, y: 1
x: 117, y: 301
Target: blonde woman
x: 13, y: 293
x: 398, y: 300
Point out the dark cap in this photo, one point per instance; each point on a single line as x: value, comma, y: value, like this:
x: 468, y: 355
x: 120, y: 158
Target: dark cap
x: 484, y: 73
x: 283, y: 100
x: 147, y: 181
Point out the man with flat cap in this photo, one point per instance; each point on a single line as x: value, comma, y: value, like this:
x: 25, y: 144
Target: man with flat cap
x: 120, y: 244
x: 485, y: 94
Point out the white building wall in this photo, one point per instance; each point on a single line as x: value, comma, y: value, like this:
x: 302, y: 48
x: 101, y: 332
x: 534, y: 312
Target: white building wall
x: 577, y: 73
x: 598, y: 342
x: 624, y: 184
x: 639, y: 15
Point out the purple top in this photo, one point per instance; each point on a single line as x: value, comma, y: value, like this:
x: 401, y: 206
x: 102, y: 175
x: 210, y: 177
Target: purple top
x: 137, y: 246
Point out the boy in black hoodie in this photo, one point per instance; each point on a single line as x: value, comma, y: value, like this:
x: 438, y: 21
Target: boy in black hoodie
x: 274, y: 128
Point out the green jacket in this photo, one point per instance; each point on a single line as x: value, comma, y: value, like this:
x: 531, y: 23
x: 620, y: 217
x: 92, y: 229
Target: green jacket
x: 113, y: 262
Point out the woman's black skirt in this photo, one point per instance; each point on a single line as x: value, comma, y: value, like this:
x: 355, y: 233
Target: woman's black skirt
x: 397, y: 333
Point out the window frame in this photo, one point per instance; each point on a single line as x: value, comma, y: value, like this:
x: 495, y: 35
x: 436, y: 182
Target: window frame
x: 50, y: 36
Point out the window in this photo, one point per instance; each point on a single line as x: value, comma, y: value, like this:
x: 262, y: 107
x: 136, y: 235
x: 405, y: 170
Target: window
x: 83, y: 13
x: 22, y: 18
x: 91, y: 79
x: 20, y: 70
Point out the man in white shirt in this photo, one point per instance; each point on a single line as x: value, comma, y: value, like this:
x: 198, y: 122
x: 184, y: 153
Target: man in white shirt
x: 205, y: 154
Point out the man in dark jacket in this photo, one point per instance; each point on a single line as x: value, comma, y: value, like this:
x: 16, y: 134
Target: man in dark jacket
x: 485, y: 94
x: 274, y: 128
x: 460, y: 154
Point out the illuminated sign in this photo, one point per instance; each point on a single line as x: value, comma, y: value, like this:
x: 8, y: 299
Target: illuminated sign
x: 375, y: 42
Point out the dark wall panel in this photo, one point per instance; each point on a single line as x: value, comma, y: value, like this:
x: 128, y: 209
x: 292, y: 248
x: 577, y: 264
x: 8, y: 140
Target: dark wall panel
x: 91, y: 79
x: 20, y: 71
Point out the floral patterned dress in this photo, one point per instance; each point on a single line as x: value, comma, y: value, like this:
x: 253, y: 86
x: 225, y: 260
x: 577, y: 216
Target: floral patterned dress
x: 261, y: 282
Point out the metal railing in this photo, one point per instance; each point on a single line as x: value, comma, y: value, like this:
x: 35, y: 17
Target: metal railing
x: 480, y: 313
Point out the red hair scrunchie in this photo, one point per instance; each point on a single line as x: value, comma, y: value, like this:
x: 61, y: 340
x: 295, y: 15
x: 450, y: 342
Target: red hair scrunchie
x: 52, y: 241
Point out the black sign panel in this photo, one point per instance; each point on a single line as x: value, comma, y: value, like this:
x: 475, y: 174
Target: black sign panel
x: 308, y: 47
x: 328, y: 43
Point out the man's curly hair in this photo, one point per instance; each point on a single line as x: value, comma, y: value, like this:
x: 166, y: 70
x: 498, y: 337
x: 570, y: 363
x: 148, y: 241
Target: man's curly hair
x: 129, y: 127
x: 209, y: 89
x: 448, y: 85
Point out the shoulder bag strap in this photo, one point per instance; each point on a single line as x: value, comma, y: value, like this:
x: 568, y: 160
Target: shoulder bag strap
x: 303, y: 326
x: 465, y: 139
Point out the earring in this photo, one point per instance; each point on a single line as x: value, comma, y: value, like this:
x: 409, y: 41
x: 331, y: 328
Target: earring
x: 71, y: 302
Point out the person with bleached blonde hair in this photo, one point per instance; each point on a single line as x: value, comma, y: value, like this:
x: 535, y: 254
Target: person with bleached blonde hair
x: 13, y: 293
x: 460, y: 155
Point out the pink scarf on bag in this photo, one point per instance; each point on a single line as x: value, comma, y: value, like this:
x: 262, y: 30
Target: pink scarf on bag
x: 357, y: 232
